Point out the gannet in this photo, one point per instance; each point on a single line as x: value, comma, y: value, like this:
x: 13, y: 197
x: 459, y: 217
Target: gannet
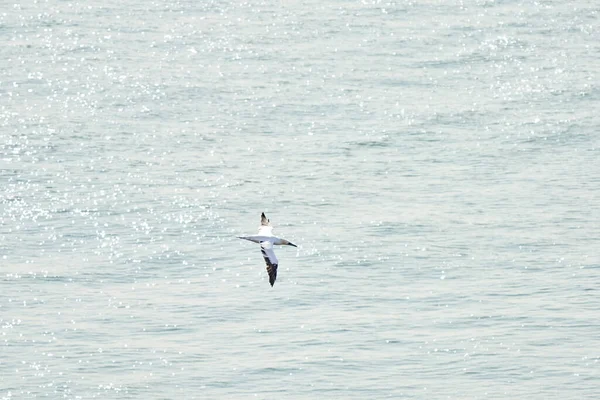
x: 267, y: 240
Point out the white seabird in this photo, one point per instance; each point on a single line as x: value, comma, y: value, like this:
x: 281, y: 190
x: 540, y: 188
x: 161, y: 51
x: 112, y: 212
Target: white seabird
x: 267, y: 240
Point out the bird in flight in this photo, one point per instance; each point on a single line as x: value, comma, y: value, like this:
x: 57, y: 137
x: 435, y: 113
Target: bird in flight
x: 266, y: 240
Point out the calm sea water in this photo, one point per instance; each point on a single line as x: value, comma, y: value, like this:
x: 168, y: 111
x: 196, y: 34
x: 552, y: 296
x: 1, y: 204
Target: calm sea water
x: 437, y: 163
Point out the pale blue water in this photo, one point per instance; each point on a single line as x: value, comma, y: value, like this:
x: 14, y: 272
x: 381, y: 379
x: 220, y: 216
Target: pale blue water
x: 436, y: 162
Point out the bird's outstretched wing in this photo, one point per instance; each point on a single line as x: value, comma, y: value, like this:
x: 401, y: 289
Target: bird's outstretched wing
x: 269, y: 255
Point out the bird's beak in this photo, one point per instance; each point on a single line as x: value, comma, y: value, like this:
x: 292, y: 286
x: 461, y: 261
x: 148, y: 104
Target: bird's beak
x: 292, y: 244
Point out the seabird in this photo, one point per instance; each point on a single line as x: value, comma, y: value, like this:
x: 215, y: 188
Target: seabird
x: 267, y: 240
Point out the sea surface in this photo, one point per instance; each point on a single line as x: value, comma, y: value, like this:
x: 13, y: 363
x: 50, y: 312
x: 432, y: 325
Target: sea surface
x: 436, y: 162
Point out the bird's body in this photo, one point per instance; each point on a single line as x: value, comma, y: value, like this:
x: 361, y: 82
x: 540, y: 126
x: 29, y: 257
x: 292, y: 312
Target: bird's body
x: 266, y: 239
